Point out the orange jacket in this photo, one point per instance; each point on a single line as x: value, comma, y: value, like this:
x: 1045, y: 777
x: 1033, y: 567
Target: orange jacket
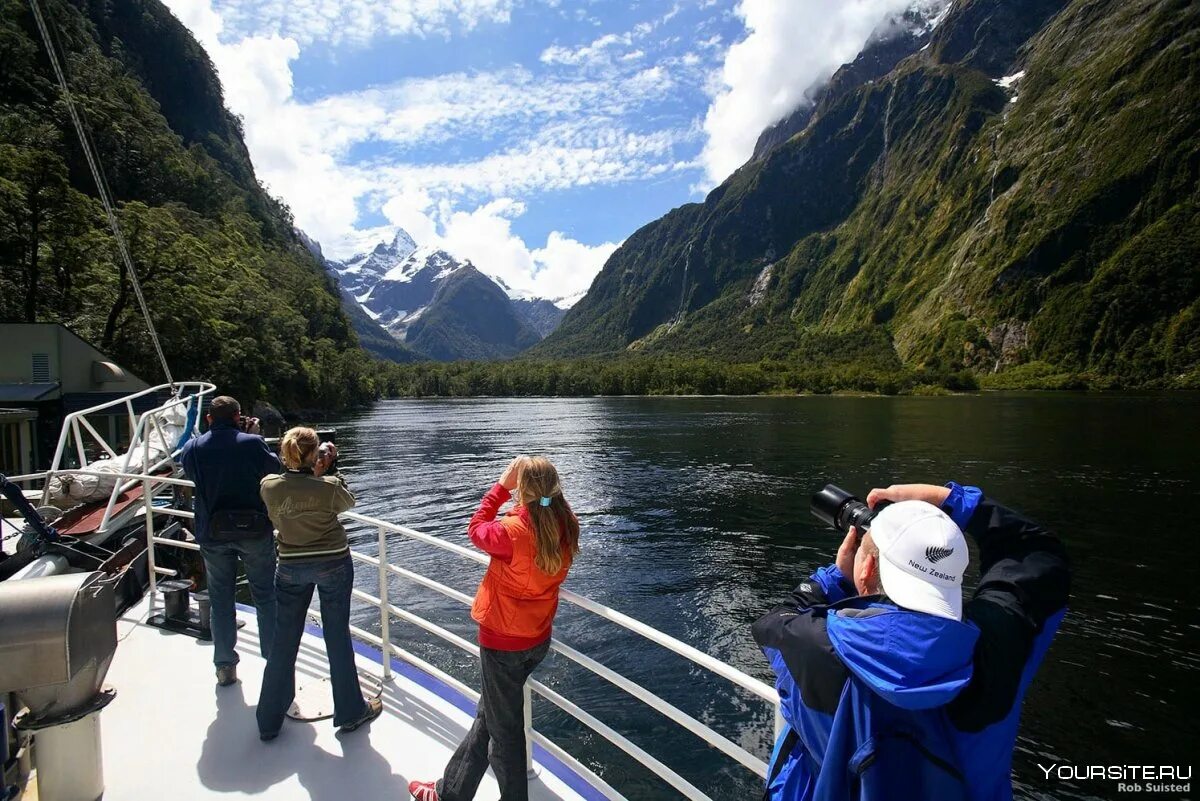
x: 516, y: 601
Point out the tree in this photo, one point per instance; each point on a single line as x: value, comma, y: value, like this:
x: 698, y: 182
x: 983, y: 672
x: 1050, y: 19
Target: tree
x: 33, y: 201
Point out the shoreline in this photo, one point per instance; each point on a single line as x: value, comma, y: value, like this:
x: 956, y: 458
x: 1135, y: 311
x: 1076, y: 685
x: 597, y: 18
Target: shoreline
x: 836, y: 394
x: 301, y: 416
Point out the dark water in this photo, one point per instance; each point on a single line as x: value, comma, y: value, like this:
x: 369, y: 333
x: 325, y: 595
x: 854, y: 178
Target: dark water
x: 695, y: 520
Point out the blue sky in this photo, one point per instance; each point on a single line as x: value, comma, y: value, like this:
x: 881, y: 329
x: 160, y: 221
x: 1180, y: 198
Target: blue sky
x: 593, y: 214
x: 530, y: 136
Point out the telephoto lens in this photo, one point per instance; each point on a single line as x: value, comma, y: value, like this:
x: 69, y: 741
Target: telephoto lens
x: 837, y: 508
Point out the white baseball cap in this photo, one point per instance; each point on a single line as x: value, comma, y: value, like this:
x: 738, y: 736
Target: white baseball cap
x: 922, y: 558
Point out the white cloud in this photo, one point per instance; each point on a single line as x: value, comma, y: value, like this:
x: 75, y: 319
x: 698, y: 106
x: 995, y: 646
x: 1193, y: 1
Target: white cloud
x: 357, y: 21
x: 410, y: 211
x: 543, y: 132
x: 256, y: 76
x: 561, y: 269
x: 584, y: 152
x: 599, y: 51
x: 789, y: 47
x: 569, y: 266
x: 424, y: 110
x: 569, y: 131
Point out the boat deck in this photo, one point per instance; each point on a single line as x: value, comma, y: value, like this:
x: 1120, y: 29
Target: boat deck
x: 172, y: 733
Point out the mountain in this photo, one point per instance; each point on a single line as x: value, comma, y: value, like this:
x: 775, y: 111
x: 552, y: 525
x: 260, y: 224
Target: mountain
x: 360, y: 273
x: 235, y: 296
x: 895, y: 38
x: 541, y: 314
x: 1020, y: 193
x: 371, y: 335
x: 440, y: 306
x: 470, y: 317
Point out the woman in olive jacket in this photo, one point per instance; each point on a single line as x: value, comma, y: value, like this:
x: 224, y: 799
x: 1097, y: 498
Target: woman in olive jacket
x: 304, y: 504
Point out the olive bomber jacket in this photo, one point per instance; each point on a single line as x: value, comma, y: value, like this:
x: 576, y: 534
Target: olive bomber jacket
x: 305, y: 509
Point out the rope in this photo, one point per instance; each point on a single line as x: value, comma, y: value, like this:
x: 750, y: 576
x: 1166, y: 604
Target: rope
x: 101, y: 185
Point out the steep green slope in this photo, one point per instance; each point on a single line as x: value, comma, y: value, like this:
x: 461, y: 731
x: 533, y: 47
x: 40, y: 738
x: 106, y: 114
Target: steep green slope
x: 1052, y: 222
x: 235, y: 296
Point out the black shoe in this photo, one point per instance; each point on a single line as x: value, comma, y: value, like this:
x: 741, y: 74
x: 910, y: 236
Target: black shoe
x: 226, y: 675
x: 267, y: 737
x: 374, y: 710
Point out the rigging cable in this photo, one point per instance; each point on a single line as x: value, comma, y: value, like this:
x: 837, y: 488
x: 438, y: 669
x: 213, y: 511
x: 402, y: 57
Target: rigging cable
x: 101, y: 185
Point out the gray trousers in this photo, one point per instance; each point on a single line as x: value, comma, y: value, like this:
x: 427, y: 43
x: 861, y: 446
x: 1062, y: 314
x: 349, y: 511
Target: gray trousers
x: 497, y: 737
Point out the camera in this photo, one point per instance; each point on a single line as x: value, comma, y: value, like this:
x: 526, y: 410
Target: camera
x: 838, y: 508
x: 323, y: 451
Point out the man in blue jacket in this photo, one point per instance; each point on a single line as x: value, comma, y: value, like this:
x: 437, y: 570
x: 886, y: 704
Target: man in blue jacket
x: 227, y: 463
x: 890, y: 687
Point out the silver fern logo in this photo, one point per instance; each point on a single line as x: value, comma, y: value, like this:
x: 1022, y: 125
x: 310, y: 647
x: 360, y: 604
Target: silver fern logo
x: 935, y: 554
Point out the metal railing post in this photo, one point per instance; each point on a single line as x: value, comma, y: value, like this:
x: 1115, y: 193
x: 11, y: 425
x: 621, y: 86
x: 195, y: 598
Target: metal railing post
x: 132, y: 420
x: 780, y: 723
x: 148, y: 501
x: 385, y: 617
x: 528, y: 709
x: 79, y: 451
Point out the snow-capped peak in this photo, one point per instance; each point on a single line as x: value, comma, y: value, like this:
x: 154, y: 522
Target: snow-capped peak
x: 932, y: 12
x: 361, y: 272
x: 525, y: 295
x: 396, y: 283
x: 421, y: 259
x: 403, y: 242
x: 916, y: 20
x: 567, y: 301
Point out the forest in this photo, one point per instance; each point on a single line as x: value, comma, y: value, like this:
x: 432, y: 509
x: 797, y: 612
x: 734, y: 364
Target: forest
x: 235, y: 296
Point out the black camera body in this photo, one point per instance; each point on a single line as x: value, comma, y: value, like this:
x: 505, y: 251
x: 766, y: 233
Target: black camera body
x: 841, y: 510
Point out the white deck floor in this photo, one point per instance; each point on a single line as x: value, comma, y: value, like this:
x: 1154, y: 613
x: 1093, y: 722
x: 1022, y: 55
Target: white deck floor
x: 171, y: 733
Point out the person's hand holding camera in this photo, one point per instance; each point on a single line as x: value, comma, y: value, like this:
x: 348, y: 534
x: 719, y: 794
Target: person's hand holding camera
x: 326, y: 456
x: 846, y: 552
x: 930, y: 493
x: 250, y: 425
x: 508, y: 479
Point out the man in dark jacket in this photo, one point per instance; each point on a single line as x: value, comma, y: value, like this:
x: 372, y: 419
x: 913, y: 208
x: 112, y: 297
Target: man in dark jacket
x: 891, y: 689
x: 227, y: 463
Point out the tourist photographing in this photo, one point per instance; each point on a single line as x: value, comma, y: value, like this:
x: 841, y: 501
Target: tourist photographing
x: 226, y: 463
x: 890, y: 687
x: 531, y: 550
x: 304, y: 504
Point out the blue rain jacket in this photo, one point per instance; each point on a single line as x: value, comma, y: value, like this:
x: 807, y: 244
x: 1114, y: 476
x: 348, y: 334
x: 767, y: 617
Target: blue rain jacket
x: 886, y: 703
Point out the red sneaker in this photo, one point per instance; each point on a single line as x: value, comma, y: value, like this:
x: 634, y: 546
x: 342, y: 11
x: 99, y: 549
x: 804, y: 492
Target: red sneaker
x: 423, y: 791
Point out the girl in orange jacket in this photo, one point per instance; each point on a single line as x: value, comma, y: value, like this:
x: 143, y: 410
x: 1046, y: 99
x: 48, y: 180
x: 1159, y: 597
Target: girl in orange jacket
x: 531, y: 549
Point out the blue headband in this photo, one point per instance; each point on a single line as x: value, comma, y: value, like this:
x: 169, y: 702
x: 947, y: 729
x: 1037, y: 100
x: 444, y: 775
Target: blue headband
x: 544, y: 501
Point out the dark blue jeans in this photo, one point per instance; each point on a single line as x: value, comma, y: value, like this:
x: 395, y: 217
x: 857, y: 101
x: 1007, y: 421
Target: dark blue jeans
x: 294, y: 584
x: 498, y: 734
x: 220, y: 565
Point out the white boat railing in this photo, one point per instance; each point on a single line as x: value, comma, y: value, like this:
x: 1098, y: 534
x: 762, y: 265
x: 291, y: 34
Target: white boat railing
x: 389, y: 650
x: 142, y: 429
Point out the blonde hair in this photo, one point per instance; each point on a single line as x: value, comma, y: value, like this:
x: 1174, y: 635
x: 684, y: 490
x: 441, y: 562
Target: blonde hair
x: 299, y: 448
x: 555, y: 527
